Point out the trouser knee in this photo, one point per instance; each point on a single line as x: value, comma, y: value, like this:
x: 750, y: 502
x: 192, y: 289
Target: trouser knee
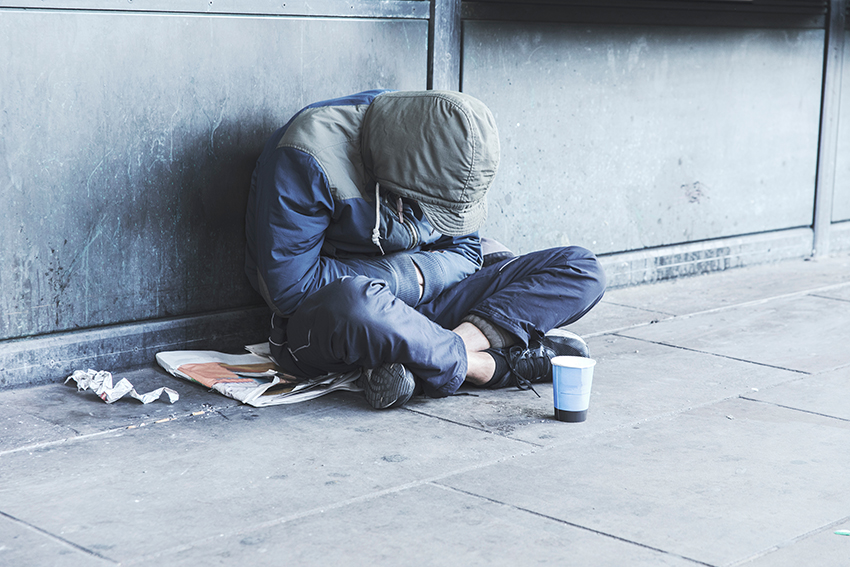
x: 583, y: 263
x: 590, y: 279
x: 349, y: 299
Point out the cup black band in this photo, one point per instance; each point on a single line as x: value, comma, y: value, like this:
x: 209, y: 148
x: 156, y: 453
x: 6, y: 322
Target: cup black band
x: 570, y: 416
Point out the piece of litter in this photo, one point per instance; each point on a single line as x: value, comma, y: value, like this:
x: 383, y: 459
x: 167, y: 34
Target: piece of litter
x: 100, y: 381
x: 197, y: 413
x: 754, y: 389
x: 730, y: 417
x: 843, y: 532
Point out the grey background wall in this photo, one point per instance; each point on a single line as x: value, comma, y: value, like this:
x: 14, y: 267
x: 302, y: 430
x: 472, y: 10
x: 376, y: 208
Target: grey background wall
x: 668, y: 141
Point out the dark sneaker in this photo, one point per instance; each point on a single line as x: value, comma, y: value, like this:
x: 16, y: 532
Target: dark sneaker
x: 565, y: 343
x: 388, y: 386
x: 521, y: 367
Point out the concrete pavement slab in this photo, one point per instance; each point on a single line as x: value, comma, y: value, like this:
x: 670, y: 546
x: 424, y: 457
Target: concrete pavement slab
x: 176, y: 482
x: 423, y: 525
x: 634, y: 381
x: 824, y: 549
x: 824, y: 394
x: 807, y: 333
x: 716, y: 484
x: 53, y: 412
x: 607, y: 317
x: 18, y: 429
x: 741, y: 285
x: 24, y: 546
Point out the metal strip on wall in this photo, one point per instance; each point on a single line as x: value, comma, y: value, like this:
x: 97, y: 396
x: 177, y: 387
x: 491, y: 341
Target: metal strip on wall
x: 415, y: 9
x: 730, y: 13
x: 828, y: 144
x: 444, y: 55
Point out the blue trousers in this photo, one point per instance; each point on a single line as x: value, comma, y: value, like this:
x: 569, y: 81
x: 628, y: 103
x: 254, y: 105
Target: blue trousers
x: 356, y: 322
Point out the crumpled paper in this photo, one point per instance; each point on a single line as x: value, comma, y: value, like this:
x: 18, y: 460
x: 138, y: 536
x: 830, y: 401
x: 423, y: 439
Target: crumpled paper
x: 101, y: 382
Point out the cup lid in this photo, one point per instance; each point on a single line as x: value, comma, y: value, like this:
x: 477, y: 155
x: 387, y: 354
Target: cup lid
x: 574, y: 361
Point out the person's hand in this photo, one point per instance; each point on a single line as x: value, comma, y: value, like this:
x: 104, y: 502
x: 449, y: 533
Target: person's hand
x: 421, y: 279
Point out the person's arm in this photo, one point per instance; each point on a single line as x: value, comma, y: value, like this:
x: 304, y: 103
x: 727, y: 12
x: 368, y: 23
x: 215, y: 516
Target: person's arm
x: 447, y: 262
x: 290, y: 209
x: 419, y: 276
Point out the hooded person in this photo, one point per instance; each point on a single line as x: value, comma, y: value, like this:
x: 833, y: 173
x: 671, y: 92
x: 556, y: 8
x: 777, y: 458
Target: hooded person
x: 362, y: 220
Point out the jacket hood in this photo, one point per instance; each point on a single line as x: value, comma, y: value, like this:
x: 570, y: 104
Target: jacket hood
x: 438, y: 148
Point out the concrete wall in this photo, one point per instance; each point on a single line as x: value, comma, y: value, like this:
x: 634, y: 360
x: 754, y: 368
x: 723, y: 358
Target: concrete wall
x: 128, y: 132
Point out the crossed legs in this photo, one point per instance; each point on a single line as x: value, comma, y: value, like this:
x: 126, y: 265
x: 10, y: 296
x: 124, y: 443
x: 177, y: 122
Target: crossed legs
x: 357, y: 322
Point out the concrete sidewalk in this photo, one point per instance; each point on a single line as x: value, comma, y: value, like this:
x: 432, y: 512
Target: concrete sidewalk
x: 718, y: 434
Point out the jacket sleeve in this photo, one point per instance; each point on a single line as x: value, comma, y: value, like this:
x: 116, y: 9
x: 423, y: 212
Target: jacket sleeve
x: 289, y: 211
x: 290, y: 208
x: 447, y: 262
x: 443, y: 264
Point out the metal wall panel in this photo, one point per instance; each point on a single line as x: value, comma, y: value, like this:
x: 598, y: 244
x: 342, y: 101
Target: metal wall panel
x: 841, y: 199
x: 624, y: 138
x: 128, y: 144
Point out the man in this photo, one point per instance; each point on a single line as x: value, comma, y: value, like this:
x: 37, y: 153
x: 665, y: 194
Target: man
x: 362, y: 238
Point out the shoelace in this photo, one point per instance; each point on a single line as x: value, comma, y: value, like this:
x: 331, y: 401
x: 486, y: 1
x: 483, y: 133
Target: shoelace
x: 522, y: 382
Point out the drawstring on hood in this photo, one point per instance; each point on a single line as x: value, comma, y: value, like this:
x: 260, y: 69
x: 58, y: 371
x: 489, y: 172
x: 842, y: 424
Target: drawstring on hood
x: 376, y: 232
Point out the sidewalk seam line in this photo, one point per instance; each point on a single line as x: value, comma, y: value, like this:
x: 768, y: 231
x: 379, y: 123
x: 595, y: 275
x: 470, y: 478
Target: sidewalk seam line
x: 795, y: 409
x: 811, y: 292
x: 832, y: 298
x: 639, y: 308
x: 87, y: 436
x: 726, y: 356
x: 571, y: 524
x: 57, y: 538
x: 479, y: 429
x: 322, y: 509
x: 768, y: 550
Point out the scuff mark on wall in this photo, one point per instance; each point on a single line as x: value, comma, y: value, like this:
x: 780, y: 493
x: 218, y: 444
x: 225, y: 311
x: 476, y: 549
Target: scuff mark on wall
x: 59, y: 274
x: 635, y: 50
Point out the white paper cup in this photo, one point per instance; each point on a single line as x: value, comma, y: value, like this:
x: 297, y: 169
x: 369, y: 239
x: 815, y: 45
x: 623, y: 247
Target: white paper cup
x: 572, y: 377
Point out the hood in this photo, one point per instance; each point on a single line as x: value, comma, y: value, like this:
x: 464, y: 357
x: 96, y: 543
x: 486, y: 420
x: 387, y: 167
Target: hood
x: 438, y: 148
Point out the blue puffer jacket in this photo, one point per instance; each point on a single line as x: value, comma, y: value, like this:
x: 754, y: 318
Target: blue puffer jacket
x: 312, y: 211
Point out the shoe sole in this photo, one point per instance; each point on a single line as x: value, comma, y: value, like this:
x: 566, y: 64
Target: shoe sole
x: 389, y: 386
x: 565, y: 343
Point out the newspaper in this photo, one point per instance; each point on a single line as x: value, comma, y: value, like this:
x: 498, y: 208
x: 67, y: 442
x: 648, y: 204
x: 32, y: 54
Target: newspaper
x: 100, y: 381
x: 252, y: 378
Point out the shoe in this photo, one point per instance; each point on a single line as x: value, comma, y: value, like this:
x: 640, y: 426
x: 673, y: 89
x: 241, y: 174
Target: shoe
x: 521, y: 367
x: 565, y: 343
x: 388, y: 386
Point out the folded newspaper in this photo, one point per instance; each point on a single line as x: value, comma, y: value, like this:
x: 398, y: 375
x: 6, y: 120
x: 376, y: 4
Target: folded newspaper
x: 253, y: 378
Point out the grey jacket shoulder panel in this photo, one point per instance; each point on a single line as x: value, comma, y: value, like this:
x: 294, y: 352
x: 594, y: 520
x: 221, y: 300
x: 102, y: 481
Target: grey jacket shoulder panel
x: 331, y: 135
